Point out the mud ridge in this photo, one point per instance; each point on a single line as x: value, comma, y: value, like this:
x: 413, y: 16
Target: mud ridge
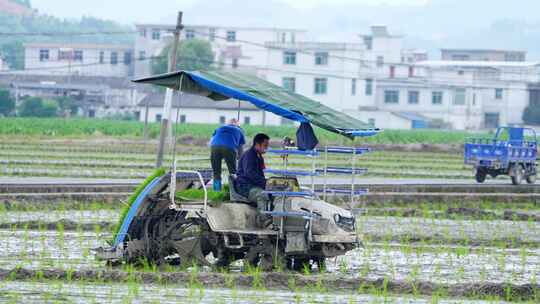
x: 284, y: 281
x: 442, y: 240
x: 452, y: 213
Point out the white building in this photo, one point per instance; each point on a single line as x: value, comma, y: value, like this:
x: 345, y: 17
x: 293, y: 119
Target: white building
x: 458, y: 95
x: 106, y: 60
x: 199, y: 109
x: 232, y: 46
x: 339, y: 75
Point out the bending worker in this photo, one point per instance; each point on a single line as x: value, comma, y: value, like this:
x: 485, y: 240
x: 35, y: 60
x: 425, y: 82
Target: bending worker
x: 251, y: 181
x: 226, y: 143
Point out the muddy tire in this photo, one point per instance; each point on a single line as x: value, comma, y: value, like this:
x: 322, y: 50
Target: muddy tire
x: 480, y: 175
x: 517, y: 174
x: 531, y: 179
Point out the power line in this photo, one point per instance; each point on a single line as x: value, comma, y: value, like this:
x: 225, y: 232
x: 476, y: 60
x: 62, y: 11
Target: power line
x: 372, y: 76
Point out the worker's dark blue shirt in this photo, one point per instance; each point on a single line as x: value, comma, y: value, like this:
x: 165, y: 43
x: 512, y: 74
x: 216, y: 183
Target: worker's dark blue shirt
x: 250, y: 172
x: 229, y: 136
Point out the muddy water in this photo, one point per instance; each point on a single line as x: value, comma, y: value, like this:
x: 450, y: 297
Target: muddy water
x: 59, y: 292
x: 79, y: 216
x: 49, y: 249
x: 440, y: 264
x: 380, y: 226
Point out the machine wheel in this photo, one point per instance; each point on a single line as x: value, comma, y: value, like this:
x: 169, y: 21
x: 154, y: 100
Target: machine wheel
x: 531, y: 179
x: 176, y: 241
x: 480, y: 175
x: 517, y: 174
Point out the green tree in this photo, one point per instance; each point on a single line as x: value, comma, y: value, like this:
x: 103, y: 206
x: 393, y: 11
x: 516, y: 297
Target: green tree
x: 192, y: 55
x: 7, y: 103
x: 37, y: 107
x: 531, y: 115
x: 67, y: 105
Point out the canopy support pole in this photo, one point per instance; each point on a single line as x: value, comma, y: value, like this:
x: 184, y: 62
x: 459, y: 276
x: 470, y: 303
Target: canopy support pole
x: 238, y: 116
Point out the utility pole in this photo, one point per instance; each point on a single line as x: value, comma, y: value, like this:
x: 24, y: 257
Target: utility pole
x: 167, y: 106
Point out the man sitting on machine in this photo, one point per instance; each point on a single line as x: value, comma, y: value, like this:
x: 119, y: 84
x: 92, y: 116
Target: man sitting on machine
x: 251, y: 181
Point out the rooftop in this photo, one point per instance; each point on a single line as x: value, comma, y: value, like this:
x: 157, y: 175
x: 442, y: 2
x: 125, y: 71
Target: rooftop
x: 478, y: 64
x: 482, y: 50
x: 68, y: 45
x: 202, y: 26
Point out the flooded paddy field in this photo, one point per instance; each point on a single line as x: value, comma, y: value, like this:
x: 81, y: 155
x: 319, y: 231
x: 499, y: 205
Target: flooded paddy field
x: 412, y: 258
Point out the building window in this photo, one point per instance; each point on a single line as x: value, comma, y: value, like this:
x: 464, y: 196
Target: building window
x: 247, y: 120
x: 391, y: 96
x: 380, y: 61
x: 64, y: 55
x: 369, y: 87
x: 231, y: 36
x: 414, y: 97
x: 293, y: 37
x: 320, y: 86
x: 436, y: 98
x: 114, y: 58
x: 142, y: 55
x: 460, y: 57
x: 101, y: 57
x: 190, y: 34
x: 411, y: 71
x: 491, y: 120
x: 371, y: 122
x: 459, y: 97
x: 222, y: 120
x: 498, y: 93
x: 368, y: 41
x: 235, y: 63
x: 392, y: 71
x: 127, y: 58
x: 142, y: 33
x: 183, y: 118
x: 78, y: 55
x: 212, y: 34
x: 289, y: 57
x: 156, y: 34
x: 353, y: 86
x: 43, y: 55
x: 321, y: 58
x: 283, y: 37
x: 158, y: 117
x: 289, y: 83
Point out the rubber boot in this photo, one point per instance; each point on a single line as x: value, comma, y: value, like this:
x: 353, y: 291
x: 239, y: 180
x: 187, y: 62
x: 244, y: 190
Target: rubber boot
x: 216, y: 186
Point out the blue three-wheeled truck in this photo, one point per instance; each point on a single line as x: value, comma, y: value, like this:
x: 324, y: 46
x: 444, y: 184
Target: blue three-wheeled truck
x: 511, y: 152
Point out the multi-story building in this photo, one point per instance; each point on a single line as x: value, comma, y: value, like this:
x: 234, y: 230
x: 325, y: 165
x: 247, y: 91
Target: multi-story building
x: 106, y: 60
x: 339, y: 75
x: 458, y: 95
x: 232, y: 46
x: 482, y: 55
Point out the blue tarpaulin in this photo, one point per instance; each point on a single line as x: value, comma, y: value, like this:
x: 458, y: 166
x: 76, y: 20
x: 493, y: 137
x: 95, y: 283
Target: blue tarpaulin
x: 221, y: 85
